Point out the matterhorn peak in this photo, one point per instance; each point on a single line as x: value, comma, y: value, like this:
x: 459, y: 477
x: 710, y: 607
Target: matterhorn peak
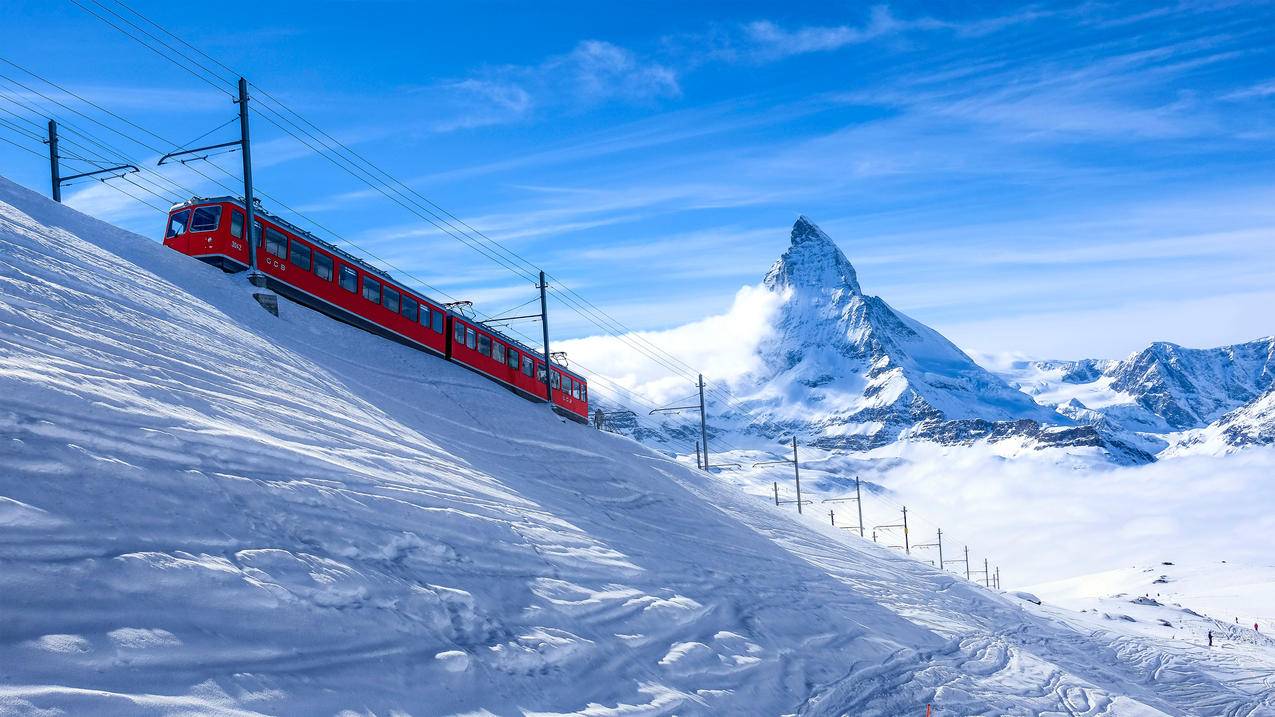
x: 812, y: 261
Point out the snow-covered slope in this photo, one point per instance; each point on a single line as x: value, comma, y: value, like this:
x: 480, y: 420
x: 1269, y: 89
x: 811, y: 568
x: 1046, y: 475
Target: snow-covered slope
x: 205, y: 509
x: 1236, y: 594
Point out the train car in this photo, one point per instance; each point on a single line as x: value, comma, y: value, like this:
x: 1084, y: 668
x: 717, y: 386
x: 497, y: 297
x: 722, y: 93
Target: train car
x: 305, y: 269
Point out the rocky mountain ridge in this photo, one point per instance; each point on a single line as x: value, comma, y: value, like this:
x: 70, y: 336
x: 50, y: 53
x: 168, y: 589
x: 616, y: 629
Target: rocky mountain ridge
x: 849, y: 372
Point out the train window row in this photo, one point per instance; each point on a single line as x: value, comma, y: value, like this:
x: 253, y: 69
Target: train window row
x: 303, y: 257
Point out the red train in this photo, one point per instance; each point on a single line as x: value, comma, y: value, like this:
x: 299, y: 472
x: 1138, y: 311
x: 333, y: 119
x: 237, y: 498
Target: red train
x: 312, y: 272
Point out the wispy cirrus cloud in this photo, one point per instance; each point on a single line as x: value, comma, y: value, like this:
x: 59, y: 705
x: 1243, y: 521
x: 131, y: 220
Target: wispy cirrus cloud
x: 594, y: 72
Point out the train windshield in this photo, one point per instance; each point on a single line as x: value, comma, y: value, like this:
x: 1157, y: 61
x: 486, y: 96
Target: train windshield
x: 205, y: 219
x: 177, y: 224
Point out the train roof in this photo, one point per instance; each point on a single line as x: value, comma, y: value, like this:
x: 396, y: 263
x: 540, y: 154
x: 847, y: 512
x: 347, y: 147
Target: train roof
x: 366, y: 266
x: 327, y: 246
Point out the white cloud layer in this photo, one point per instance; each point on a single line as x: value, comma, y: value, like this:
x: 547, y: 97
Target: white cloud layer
x: 1044, y: 519
x: 724, y: 346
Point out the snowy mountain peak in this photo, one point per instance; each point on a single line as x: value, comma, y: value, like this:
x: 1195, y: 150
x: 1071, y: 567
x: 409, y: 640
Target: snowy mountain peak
x: 853, y: 371
x: 812, y: 261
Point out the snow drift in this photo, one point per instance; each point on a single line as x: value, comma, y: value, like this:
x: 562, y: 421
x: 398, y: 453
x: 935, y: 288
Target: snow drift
x: 207, y: 509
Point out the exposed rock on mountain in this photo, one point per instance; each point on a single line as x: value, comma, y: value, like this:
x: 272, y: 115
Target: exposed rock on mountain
x: 852, y: 372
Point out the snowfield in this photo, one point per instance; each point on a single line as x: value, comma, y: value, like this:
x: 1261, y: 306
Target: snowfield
x: 205, y: 509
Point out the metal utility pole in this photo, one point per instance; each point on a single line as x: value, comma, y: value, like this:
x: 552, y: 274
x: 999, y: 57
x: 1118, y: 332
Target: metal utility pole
x: 904, y: 525
x: 906, y: 548
x: 967, y: 562
x: 832, y: 517
x: 703, y: 423
x: 796, y: 474
x: 55, y: 162
x: 937, y: 544
x: 986, y: 582
x: 998, y: 577
x: 698, y: 463
x: 244, y: 143
x: 544, y: 328
x: 250, y: 208
x: 796, y: 471
x: 858, y: 499
x: 775, y: 485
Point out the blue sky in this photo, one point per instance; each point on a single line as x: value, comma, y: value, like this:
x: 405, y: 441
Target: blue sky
x: 1063, y: 181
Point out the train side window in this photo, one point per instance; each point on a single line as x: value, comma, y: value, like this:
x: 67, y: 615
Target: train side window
x: 438, y: 321
x: 484, y: 345
x: 256, y: 233
x: 408, y: 309
x: 349, y: 279
x: 300, y: 254
x: 390, y: 299
x: 584, y: 392
x: 575, y: 390
x: 460, y: 333
x: 323, y: 266
x: 276, y: 243
x: 372, y: 290
x: 555, y: 380
x: 236, y: 225
x: 540, y: 373
x: 177, y: 224
x: 498, y: 352
x: 527, y: 365
x: 471, y: 338
x: 425, y: 312
x: 513, y: 359
x: 205, y: 219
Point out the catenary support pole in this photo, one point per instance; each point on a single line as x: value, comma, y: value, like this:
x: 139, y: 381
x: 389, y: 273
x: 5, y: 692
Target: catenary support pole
x: 776, y: 487
x: 703, y: 423
x: 941, y: 549
x: 249, y: 200
x: 907, y: 549
x: 858, y: 500
x: 987, y: 583
x: 54, y: 161
x: 796, y: 471
x: 698, y: 463
x: 967, y: 562
x: 832, y: 517
x: 998, y: 577
x: 544, y: 328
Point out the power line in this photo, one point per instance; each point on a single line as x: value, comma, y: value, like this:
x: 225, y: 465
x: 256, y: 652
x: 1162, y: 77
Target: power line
x: 355, y: 164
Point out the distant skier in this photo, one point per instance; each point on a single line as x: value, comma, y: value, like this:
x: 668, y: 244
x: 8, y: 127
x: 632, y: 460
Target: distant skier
x: 1255, y: 628
x: 1210, y: 638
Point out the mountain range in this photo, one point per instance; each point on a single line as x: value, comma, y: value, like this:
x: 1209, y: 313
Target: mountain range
x: 849, y: 372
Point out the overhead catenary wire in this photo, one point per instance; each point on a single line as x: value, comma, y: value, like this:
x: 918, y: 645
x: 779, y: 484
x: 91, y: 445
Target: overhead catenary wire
x: 358, y: 166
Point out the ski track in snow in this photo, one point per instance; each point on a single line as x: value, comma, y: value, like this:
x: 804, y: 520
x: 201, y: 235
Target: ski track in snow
x: 205, y: 509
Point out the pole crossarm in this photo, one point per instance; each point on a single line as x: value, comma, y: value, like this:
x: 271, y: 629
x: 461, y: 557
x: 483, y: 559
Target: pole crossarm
x: 837, y: 500
x: 772, y: 463
x: 173, y: 155
x: 499, y: 319
x: 671, y: 409
x: 131, y: 169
